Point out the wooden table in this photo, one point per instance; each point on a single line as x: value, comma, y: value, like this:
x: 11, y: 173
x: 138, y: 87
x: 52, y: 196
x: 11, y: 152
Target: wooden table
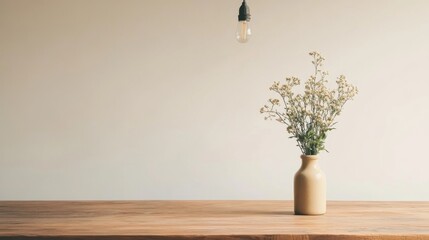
x: 210, y: 220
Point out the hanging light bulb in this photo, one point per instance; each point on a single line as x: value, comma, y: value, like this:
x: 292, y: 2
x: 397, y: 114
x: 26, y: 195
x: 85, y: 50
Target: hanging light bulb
x: 243, y: 28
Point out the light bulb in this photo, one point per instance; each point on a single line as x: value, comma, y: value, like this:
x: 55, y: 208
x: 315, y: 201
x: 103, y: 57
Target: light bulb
x: 243, y: 31
x: 243, y: 28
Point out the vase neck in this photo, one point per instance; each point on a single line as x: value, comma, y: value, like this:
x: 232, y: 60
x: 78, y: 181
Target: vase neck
x: 309, y: 161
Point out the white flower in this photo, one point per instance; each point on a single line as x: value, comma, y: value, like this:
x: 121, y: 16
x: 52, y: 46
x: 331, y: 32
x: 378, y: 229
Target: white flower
x: 309, y: 115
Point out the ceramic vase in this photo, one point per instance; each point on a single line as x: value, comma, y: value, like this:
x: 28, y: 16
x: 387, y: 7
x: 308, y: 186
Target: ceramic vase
x: 310, y: 188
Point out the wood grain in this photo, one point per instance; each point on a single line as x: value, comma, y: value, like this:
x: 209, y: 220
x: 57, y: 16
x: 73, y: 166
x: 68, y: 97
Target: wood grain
x: 210, y: 220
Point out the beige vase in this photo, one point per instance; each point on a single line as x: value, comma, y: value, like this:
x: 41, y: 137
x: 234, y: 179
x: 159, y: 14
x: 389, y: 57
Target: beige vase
x: 310, y: 188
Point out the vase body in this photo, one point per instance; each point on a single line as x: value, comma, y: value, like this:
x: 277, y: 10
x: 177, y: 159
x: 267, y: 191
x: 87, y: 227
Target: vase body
x: 310, y: 188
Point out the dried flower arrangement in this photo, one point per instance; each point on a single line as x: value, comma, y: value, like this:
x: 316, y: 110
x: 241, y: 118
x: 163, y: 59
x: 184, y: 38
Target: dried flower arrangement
x: 309, y: 116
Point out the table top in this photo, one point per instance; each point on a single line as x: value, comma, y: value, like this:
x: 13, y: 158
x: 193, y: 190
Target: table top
x: 211, y: 220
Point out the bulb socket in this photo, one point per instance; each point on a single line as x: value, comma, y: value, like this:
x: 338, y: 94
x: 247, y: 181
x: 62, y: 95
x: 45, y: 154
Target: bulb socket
x: 244, y: 12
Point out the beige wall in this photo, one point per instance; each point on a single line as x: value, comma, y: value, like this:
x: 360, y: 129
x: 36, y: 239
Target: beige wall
x: 155, y: 99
